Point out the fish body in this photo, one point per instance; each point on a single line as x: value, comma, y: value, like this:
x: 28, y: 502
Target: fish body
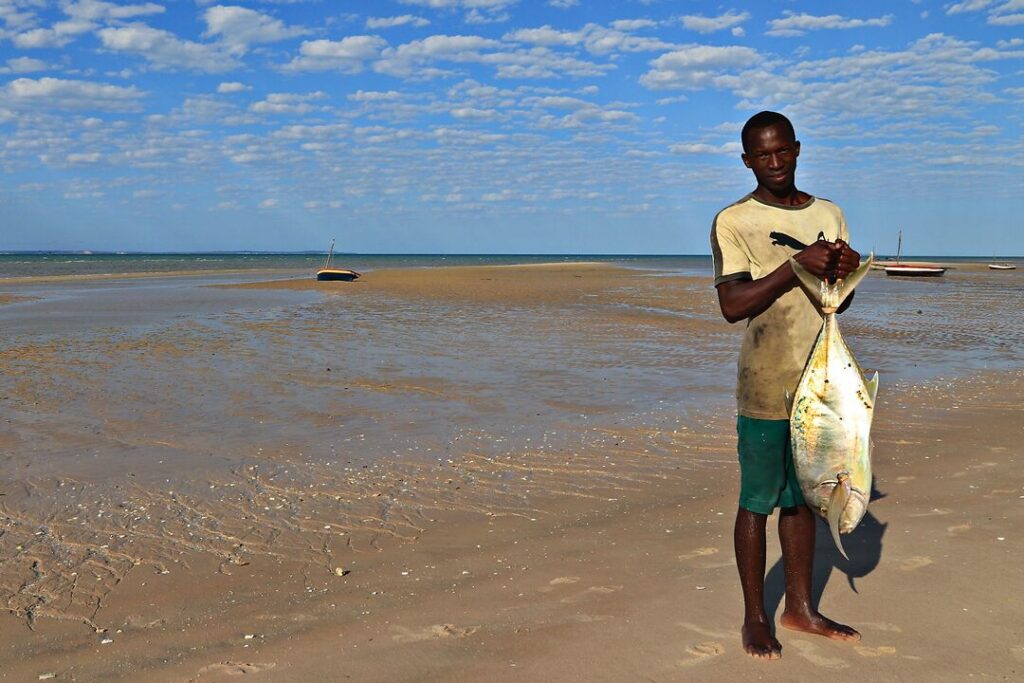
x: 830, y: 417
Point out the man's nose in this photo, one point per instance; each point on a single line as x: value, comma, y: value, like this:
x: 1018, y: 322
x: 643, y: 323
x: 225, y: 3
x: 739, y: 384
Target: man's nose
x: 774, y: 161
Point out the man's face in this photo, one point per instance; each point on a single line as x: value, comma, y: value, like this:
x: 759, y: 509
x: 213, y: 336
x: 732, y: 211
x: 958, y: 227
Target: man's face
x: 771, y: 154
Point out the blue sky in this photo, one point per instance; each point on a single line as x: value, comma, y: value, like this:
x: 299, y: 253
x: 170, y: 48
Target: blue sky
x: 541, y: 126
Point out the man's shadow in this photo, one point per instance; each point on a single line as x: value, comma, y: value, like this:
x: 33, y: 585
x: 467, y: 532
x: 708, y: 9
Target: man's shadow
x: 863, y: 545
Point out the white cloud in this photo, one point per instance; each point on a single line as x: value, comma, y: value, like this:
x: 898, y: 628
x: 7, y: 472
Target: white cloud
x: 391, y: 22
x: 56, y: 93
x: 165, y: 50
x: 545, y: 35
x: 968, y: 6
x: 23, y: 65
x: 702, y: 24
x: 347, y: 55
x: 287, y: 103
x: 240, y: 27
x: 83, y: 16
x: 698, y: 66
x: 375, y: 96
x: 704, y: 148
x: 80, y: 158
x: 794, y: 24
x: 232, y: 87
x: 563, y: 4
x: 270, y: 203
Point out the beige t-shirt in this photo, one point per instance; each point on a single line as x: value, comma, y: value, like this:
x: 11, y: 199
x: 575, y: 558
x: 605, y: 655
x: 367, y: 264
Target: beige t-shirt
x: 749, y: 240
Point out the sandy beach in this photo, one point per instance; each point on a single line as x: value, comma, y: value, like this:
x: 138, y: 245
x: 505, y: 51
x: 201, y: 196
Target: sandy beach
x: 514, y: 473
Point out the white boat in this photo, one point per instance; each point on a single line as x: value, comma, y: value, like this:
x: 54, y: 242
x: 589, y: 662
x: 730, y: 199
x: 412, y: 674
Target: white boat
x: 911, y: 268
x: 328, y: 272
x: 1002, y: 266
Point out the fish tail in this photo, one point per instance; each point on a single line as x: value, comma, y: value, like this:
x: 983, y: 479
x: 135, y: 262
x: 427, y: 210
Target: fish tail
x: 827, y: 295
x: 836, y: 504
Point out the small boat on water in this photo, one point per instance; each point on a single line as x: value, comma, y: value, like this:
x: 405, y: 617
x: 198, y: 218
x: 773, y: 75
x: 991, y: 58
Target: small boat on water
x: 1002, y: 266
x: 910, y: 268
x: 330, y: 273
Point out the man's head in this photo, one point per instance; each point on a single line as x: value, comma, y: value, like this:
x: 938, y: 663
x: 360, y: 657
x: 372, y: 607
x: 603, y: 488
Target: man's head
x: 770, y: 150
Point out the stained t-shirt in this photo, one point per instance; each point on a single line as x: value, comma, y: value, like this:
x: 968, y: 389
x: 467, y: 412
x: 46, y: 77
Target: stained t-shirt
x: 749, y: 240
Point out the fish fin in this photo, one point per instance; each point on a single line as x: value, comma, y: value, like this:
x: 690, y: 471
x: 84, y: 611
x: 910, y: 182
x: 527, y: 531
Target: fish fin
x: 846, y: 287
x: 811, y: 283
x: 853, y: 587
x: 873, y: 388
x: 836, y: 504
x: 828, y: 295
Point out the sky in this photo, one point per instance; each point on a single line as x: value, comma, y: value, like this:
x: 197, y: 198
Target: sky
x: 500, y: 126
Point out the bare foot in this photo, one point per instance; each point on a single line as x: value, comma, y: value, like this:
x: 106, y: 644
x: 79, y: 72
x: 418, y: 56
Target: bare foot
x: 759, y: 642
x: 819, y: 625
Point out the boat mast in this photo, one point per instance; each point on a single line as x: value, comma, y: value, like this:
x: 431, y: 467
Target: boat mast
x: 899, y: 246
x: 330, y: 254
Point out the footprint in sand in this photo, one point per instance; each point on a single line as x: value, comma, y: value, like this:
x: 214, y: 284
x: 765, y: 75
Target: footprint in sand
x: 704, y: 631
x: 879, y: 626
x: 934, y: 512
x: 560, y: 581
x: 916, y: 562
x: 809, y: 651
x: 234, y: 669
x: 880, y: 651
x: 699, y: 552
x: 702, y: 652
x: 958, y: 528
x: 593, y: 590
x: 409, y: 635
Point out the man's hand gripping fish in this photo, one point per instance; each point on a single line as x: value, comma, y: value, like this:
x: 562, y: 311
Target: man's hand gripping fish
x: 830, y: 415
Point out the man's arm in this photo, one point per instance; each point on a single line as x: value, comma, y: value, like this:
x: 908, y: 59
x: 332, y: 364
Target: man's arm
x: 742, y: 299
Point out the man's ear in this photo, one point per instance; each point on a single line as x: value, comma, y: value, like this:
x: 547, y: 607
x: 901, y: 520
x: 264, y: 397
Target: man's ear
x: 746, y: 162
x: 797, y: 148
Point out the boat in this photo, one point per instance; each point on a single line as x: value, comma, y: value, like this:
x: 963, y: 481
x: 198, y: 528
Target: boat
x: 1002, y: 266
x: 911, y: 268
x: 330, y: 273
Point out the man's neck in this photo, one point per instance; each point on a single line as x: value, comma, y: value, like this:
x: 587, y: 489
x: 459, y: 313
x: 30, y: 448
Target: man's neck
x: 792, y: 198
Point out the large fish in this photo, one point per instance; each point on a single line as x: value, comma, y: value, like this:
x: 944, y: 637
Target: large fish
x: 830, y: 416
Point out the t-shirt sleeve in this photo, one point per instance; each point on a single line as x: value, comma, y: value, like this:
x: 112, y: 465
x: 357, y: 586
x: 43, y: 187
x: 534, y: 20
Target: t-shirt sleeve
x: 844, y: 234
x: 730, y: 259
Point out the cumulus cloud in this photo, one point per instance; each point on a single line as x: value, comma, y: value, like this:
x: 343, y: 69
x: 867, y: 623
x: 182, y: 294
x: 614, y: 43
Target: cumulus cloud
x: 164, y: 50
x: 57, y: 93
x: 391, y: 22
x: 702, y: 24
x: 23, y: 65
x: 698, y: 66
x: 287, y: 103
x: 705, y: 148
x: 348, y: 55
x: 232, y: 87
x: 239, y: 28
x: 82, y: 16
x: 794, y: 24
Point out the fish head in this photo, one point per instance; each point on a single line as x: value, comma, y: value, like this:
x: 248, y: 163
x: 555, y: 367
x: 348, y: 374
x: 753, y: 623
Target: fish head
x: 854, y: 511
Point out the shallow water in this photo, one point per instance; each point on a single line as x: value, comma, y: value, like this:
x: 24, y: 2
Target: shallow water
x: 149, y: 419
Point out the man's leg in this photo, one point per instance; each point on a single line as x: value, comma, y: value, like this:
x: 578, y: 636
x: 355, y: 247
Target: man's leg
x: 749, y: 539
x: 796, y: 533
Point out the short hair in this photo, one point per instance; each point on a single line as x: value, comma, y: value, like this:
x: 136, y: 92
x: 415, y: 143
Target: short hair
x: 764, y: 119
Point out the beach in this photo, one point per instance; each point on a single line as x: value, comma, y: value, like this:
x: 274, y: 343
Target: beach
x: 489, y: 472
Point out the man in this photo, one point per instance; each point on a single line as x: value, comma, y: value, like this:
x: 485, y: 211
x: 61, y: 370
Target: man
x: 751, y: 242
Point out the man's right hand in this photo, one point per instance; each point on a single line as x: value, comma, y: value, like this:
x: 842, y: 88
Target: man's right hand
x: 820, y: 259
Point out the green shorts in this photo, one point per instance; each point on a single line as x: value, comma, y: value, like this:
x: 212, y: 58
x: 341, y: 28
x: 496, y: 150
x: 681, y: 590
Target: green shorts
x: 767, y: 475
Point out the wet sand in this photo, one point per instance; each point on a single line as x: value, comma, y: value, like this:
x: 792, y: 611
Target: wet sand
x: 519, y: 473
